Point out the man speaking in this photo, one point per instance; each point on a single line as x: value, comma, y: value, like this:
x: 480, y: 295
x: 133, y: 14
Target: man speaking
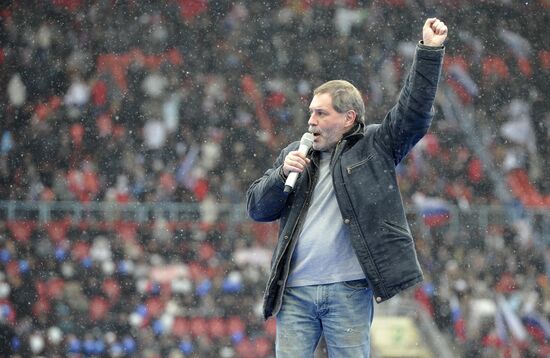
x: 344, y: 239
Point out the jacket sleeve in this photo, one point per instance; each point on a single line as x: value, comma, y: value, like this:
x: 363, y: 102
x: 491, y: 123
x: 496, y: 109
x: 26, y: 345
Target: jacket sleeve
x: 410, y: 118
x: 265, y: 198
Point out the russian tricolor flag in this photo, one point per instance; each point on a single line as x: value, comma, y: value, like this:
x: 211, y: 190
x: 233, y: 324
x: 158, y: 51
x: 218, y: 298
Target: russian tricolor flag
x: 537, y: 326
x: 435, y: 211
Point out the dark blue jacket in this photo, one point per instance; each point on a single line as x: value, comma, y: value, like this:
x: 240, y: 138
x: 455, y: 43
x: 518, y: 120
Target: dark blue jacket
x: 363, y: 172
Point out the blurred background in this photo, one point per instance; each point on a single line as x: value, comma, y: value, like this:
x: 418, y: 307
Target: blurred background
x: 130, y: 131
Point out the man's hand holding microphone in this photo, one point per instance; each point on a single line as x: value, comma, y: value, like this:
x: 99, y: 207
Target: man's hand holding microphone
x: 296, y: 161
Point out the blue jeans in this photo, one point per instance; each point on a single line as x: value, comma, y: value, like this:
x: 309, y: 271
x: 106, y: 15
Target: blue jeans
x: 342, y: 312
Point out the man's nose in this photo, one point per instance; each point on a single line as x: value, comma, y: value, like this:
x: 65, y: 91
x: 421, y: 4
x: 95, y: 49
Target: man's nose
x: 312, y: 121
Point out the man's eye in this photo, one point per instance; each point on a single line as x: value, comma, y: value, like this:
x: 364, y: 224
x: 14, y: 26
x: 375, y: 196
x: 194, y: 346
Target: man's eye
x: 317, y: 113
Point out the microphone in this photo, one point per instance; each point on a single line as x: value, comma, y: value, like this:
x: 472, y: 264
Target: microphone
x: 305, y: 143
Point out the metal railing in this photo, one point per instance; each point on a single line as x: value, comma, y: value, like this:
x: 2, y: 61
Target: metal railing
x: 477, y: 219
x: 42, y: 211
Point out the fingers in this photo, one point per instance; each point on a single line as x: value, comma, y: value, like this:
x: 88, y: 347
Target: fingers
x: 434, y: 32
x: 437, y: 26
x: 430, y: 21
x: 295, y: 162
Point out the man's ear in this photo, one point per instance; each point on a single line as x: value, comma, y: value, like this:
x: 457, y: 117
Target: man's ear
x: 350, y: 118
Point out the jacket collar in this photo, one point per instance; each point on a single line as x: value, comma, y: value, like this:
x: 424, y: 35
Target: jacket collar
x: 350, y: 137
x: 355, y: 133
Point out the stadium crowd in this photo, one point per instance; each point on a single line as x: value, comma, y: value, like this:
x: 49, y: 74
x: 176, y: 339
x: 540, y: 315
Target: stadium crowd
x: 186, y: 101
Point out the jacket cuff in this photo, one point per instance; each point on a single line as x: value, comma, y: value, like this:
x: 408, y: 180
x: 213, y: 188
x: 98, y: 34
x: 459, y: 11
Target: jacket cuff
x: 426, y: 47
x: 282, y: 174
x: 430, y: 52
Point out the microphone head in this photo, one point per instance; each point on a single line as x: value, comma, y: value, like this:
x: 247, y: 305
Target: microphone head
x: 307, y: 139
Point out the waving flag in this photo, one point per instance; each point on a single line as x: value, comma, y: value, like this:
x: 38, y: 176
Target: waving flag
x: 435, y: 211
x: 519, y: 45
x: 183, y: 171
x: 518, y: 331
x: 250, y: 89
x: 502, y: 332
x: 457, y: 319
x: 537, y: 326
x: 462, y: 83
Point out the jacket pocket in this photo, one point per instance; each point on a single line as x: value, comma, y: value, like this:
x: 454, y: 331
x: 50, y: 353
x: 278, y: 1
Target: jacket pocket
x: 357, y: 284
x: 351, y: 167
x: 397, y: 228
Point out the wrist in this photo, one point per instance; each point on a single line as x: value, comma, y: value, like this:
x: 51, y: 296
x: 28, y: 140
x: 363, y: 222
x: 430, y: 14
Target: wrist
x: 430, y: 45
x: 282, y: 174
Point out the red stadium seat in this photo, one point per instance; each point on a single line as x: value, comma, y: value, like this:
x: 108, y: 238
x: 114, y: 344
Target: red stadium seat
x: 111, y: 288
x: 181, y: 327
x: 80, y: 251
x: 41, y: 289
x: 235, y: 324
x: 41, y: 307
x: 206, y: 251
x: 199, y: 327
x: 155, y: 306
x: 99, y: 306
x: 265, y: 233
x: 217, y: 327
x: 55, y: 288
x: 57, y: 230
x: 270, y: 327
x: 12, y: 268
x: 262, y: 347
x: 245, y: 349
x: 127, y: 231
x: 21, y: 230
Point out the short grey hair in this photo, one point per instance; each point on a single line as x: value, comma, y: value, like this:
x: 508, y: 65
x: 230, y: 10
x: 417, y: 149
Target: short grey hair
x: 345, y: 97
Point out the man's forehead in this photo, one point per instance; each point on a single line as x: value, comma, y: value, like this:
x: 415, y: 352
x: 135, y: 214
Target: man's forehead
x: 321, y: 101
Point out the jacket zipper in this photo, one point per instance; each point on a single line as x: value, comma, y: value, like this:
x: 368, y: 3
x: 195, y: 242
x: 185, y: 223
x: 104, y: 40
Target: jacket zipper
x: 333, y: 155
x: 292, y: 233
x: 351, y: 167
